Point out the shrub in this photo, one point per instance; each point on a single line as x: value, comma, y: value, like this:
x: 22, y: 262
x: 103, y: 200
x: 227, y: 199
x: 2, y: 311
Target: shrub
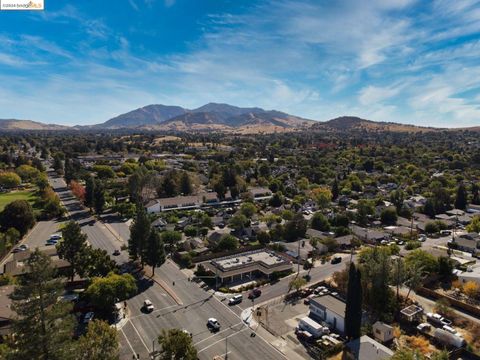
x: 411, y: 245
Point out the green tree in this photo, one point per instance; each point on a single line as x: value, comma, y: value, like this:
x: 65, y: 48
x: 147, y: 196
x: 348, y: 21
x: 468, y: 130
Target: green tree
x: 297, y: 283
x: 176, y: 344
x: 389, y: 216
x: 90, y: 192
x: 171, y: 238
x: 27, y: 173
x: 475, y: 194
x: 248, y: 209
x: 104, y: 292
x: 423, y: 259
x: 323, y: 196
x: 263, y: 237
x: 100, y: 342
x: 335, y: 191
x: 398, y: 274
x: 104, y: 171
x: 155, y: 251
x: 9, y: 180
x: 353, y: 309
x: 296, y: 228
x: 96, y: 262
x: 99, y: 197
x: 320, y: 222
x: 474, y: 225
x: 227, y: 242
x: 276, y: 200
x: 139, y: 234
x: 44, y: 326
x: 186, y: 186
x: 72, y: 248
x: 461, y: 198
x: 365, y: 208
x: 19, y: 215
x: 238, y: 222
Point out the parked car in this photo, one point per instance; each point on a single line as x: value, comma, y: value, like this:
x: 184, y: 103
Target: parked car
x: 51, y: 242
x: 56, y: 236
x: 20, y: 248
x: 236, y: 299
x: 336, y: 260
x: 422, y: 237
x: 148, y: 306
x: 88, y: 317
x: 450, y: 329
x: 424, y: 327
x: 213, y: 324
x: 255, y: 293
x: 445, y: 232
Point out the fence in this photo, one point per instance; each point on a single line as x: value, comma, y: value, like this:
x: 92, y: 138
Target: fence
x: 470, y: 309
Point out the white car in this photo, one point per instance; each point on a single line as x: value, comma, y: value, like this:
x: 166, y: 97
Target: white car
x: 213, y: 324
x: 56, y: 236
x: 449, y: 329
x: 147, y: 304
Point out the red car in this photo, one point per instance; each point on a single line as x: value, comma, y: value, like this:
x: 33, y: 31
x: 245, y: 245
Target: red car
x: 255, y: 293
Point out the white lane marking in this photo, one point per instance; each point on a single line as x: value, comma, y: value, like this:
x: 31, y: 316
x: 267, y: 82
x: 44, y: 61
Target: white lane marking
x: 140, y: 337
x: 222, y: 339
x: 128, y: 342
x: 256, y: 334
x: 217, y: 333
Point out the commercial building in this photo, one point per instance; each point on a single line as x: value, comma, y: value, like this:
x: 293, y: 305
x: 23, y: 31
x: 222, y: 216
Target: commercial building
x: 330, y: 310
x: 248, y: 265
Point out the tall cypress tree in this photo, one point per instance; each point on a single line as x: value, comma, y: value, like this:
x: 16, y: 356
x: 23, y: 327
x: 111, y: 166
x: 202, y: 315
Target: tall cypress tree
x: 90, y: 192
x: 462, y: 197
x: 139, y: 234
x: 353, y: 310
x: 154, y: 251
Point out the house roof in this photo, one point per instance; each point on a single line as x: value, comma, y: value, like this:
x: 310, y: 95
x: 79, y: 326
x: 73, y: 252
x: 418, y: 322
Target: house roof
x: 331, y: 303
x: 5, y: 302
x: 367, y: 348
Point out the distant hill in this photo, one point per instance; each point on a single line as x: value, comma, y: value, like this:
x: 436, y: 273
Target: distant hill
x: 15, y: 124
x: 147, y: 115
x: 225, y: 118
x: 351, y: 123
x: 212, y: 116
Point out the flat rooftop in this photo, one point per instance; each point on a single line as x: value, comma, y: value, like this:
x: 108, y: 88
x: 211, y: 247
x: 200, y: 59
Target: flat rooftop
x: 267, y: 258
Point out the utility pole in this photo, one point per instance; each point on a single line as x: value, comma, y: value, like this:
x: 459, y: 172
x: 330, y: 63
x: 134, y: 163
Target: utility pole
x: 226, y: 347
x: 298, y: 259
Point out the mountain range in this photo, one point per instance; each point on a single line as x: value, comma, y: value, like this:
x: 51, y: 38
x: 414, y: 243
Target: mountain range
x: 212, y: 116
x: 220, y: 117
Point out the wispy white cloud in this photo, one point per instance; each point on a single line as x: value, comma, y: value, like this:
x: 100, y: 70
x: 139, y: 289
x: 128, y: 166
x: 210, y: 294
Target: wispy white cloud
x: 398, y: 60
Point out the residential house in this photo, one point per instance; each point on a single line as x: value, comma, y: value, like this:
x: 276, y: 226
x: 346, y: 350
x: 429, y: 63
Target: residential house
x: 6, y: 312
x: 366, y: 348
x: 467, y: 242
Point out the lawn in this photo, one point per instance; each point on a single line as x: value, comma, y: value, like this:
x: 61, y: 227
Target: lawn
x: 7, y: 198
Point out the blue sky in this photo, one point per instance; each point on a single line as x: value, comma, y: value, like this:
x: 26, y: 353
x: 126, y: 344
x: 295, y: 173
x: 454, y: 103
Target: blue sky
x: 83, y: 62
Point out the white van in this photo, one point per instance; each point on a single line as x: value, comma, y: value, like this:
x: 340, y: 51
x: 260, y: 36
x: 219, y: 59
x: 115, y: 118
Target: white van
x: 236, y: 299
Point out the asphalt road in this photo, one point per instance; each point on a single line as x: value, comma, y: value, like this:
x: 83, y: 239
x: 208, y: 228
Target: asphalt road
x: 98, y: 234
x: 234, y: 337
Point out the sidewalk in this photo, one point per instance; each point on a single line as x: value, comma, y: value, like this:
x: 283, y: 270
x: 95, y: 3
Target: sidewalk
x: 279, y: 343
